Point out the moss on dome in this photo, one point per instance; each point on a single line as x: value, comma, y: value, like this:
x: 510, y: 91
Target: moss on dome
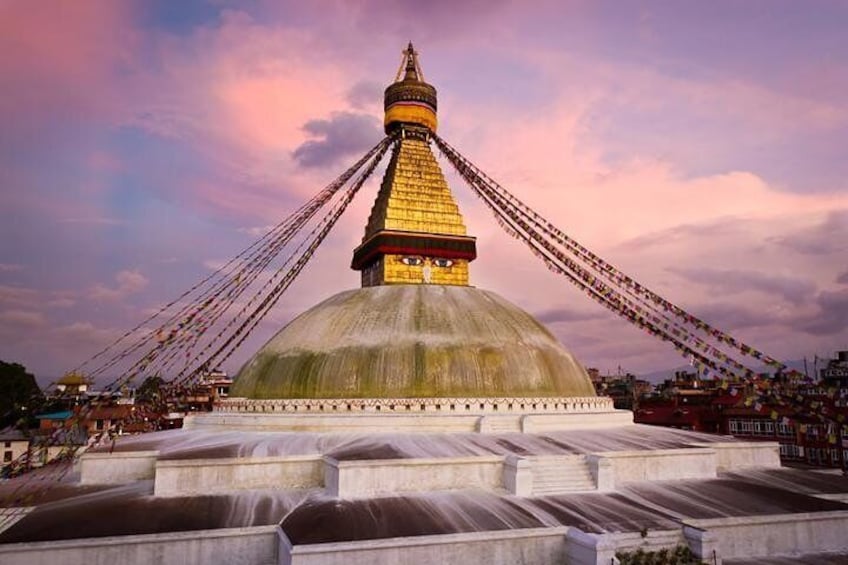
x: 407, y: 341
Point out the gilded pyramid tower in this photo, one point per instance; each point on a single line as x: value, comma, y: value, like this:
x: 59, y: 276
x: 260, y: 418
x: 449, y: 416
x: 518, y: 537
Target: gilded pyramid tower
x: 415, y: 233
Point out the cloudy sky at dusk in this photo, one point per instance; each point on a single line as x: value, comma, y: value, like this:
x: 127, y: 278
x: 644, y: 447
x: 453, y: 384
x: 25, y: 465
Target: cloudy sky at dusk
x: 699, y: 146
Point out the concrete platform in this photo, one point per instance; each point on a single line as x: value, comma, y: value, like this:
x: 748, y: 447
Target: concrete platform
x: 367, y: 497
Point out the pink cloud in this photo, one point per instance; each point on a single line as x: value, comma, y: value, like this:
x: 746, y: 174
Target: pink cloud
x: 58, y: 56
x: 50, y: 350
x: 61, y: 303
x: 127, y: 283
x: 238, y: 92
x: 16, y: 295
x: 22, y: 319
x: 732, y: 220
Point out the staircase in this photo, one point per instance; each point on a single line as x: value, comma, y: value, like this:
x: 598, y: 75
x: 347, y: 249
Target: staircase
x: 559, y: 474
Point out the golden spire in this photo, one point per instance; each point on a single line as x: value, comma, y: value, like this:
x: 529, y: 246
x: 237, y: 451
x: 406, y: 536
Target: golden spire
x: 415, y: 233
x: 410, y: 101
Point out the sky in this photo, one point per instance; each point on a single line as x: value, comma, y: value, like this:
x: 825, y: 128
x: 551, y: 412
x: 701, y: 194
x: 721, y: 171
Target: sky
x: 698, y: 146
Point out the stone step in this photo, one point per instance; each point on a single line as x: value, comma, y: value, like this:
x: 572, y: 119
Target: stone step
x: 563, y: 478
x: 563, y: 488
x: 582, y: 485
x: 565, y: 481
x: 555, y: 491
x: 559, y: 465
x: 542, y: 459
x: 561, y: 474
x: 567, y: 478
x: 562, y: 469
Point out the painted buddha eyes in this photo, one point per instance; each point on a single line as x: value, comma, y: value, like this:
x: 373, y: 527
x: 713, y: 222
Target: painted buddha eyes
x: 416, y: 261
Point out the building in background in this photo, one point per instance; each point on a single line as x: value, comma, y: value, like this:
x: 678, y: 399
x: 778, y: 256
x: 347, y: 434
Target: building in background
x: 15, y: 446
x: 811, y: 427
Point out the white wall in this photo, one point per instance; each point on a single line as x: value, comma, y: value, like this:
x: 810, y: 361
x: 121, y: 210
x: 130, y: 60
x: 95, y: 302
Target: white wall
x: 118, y: 467
x: 656, y: 465
x: 734, y: 455
x: 347, y: 479
x: 201, y: 476
x: 518, y: 476
x: 532, y: 545
x: 366, y: 422
x: 779, y: 534
x: 538, y: 423
x: 599, y: 549
x: 235, y: 546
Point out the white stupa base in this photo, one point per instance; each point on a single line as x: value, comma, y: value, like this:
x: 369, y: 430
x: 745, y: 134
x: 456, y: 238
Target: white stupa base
x: 411, y: 415
x: 502, y: 454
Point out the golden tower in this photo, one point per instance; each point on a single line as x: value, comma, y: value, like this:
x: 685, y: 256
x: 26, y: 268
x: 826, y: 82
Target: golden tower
x: 415, y: 233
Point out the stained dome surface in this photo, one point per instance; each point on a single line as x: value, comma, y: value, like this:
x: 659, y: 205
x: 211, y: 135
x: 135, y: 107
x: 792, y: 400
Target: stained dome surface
x: 413, y: 341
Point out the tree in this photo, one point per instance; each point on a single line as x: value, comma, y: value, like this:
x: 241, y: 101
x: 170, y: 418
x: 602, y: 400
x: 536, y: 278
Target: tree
x: 20, y: 396
x: 150, y: 390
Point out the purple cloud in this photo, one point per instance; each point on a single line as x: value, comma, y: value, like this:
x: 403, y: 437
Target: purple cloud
x: 832, y: 315
x: 829, y: 236
x: 735, y: 281
x: 344, y: 134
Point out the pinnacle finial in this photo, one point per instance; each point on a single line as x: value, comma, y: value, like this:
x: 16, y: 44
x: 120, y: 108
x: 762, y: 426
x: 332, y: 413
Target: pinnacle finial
x: 409, y: 65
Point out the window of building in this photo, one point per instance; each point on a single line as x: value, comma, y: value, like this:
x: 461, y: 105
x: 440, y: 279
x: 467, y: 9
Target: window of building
x: 792, y: 451
x: 7, y: 456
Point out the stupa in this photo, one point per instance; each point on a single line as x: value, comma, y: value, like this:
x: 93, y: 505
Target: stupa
x: 421, y: 419
x: 415, y: 329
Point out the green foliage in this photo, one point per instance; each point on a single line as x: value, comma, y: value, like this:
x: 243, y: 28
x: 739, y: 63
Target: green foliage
x: 20, y: 396
x: 150, y: 391
x: 680, y: 555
